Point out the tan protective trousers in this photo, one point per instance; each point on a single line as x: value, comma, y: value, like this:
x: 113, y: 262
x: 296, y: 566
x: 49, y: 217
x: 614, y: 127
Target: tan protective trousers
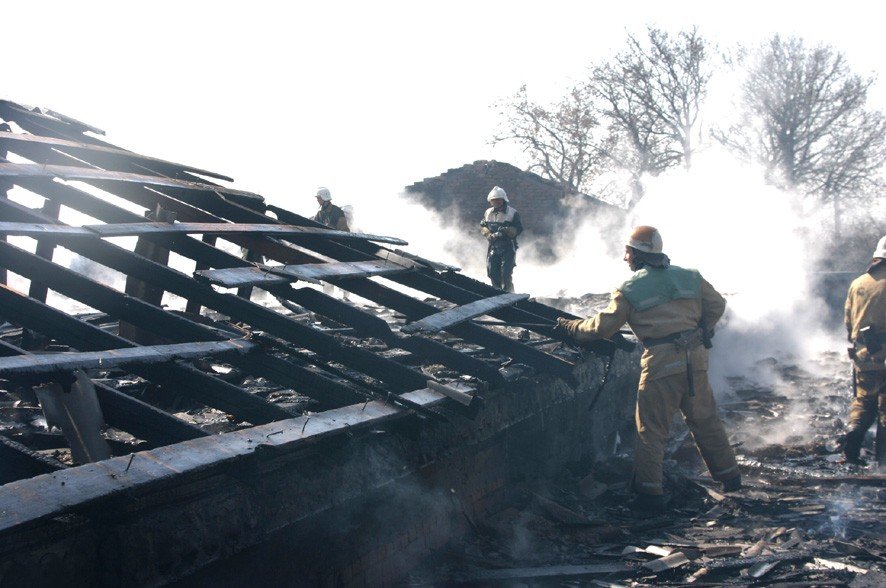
x: 657, y: 401
x: 868, y: 406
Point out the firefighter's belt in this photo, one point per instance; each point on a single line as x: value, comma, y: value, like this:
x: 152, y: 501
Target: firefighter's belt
x: 685, y: 341
x: 682, y: 340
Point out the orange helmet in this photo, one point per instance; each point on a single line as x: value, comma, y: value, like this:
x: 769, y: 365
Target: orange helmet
x: 646, y: 239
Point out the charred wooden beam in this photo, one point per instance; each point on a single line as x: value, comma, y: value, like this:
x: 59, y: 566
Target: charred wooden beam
x: 40, y: 149
x: 68, y: 172
x: 399, y: 377
x: 130, y: 414
x: 291, y: 233
x: 177, y: 378
x: 483, y: 289
x: 459, y: 314
x: 309, y: 272
x: 179, y: 463
x: 237, y: 277
x: 64, y: 361
x: 45, y: 249
x: 34, y: 121
x: 415, y: 309
x: 154, y: 320
x: 372, y: 326
x: 418, y: 280
x: 54, y: 232
x: 449, y: 285
x: 20, y: 463
x: 193, y: 306
x: 144, y: 290
x: 195, y: 250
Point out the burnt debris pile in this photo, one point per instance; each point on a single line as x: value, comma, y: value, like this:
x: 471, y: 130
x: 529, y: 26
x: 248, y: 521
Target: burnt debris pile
x: 802, y: 518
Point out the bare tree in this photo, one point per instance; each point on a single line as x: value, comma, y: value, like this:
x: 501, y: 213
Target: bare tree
x: 805, y: 116
x: 638, y: 114
x: 651, y: 95
x: 559, y: 140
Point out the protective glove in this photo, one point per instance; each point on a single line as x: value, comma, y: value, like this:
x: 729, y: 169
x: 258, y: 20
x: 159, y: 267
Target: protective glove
x: 561, y: 325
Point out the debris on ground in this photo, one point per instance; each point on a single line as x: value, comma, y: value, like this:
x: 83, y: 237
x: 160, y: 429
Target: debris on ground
x: 803, y: 518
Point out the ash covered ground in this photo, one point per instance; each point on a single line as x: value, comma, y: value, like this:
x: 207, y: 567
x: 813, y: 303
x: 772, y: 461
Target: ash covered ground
x: 802, y: 518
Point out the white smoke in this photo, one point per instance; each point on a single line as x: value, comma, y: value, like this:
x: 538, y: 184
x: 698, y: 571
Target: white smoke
x: 754, y: 243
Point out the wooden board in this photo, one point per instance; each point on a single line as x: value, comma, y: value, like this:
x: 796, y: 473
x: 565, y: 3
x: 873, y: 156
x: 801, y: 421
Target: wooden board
x: 87, y: 484
x: 67, y: 172
x: 460, y: 314
x: 309, y: 272
x: 100, y: 150
x: 288, y: 232
x: 53, y: 362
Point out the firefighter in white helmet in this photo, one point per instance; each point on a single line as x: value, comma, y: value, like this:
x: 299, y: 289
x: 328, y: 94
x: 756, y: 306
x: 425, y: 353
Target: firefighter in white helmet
x: 865, y: 318
x: 500, y: 225
x: 329, y: 214
x: 333, y: 217
x: 673, y: 312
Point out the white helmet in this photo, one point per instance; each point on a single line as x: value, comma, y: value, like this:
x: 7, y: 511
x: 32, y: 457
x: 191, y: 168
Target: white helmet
x: 880, y: 252
x: 323, y: 194
x: 497, y: 193
x: 644, y: 238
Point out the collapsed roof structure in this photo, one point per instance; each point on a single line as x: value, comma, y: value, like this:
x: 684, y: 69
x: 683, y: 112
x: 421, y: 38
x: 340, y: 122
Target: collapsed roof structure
x: 276, y: 379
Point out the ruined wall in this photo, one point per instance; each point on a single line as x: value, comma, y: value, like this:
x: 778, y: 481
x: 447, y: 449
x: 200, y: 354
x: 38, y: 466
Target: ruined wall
x: 351, y: 510
x: 543, y: 205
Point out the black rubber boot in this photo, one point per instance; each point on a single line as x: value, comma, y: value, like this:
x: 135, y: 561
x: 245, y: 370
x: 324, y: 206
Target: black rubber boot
x: 880, y: 446
x: 732, y: 484
x: 852, y: 446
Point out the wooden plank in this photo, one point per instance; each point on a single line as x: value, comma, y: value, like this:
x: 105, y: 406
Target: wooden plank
x: 73, y: 285
x: 83, y: 150
x: 177, y: 378
x: 563, y: 571
x: 53, y: 362
x: 309, y: 272
x: 273, y: 249
x: 453, y: 316
x: 130, y: 414
x: 340, y: 269
x: 159, y: 228
x: 86, y: 174
x: 235, y: 277
x: 85, y: 485
x: 45, y: 249
x: 39, y: 230
x: 20, y: 463
x: 289, y: 232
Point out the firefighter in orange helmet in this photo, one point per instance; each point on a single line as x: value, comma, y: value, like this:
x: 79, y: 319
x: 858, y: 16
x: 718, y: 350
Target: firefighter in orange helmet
x: 672, y: 311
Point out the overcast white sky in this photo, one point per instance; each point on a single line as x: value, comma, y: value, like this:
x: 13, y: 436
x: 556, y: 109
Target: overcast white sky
x: 364, y: 97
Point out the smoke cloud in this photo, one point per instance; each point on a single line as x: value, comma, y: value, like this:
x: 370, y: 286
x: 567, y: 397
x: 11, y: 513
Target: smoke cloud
x: 756, y: 244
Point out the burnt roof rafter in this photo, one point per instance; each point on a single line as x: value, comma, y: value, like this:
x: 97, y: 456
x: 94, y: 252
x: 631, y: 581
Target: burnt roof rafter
x: 40, y: 150
x: 130, y: 414
x: 176, y: 377
x: 89, y: 204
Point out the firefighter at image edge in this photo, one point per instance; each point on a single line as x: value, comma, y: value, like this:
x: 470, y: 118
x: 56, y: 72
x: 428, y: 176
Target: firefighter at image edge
x: 500, y: 225
x: 865, y: 317
x: 672, y: 311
